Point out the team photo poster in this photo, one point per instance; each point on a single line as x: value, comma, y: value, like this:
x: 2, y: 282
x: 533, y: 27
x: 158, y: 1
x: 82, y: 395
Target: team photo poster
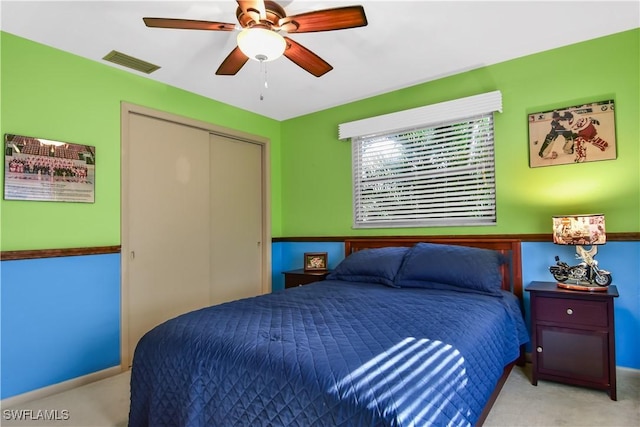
x: 45, y: 170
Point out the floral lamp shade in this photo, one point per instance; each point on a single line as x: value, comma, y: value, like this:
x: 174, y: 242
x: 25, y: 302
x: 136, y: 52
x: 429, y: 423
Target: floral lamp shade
x: 579, y: 230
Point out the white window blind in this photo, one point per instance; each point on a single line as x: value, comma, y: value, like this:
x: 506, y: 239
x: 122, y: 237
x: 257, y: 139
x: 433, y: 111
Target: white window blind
x: 438, y: 175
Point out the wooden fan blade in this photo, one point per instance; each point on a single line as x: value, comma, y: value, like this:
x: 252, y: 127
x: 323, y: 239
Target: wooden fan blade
x: 306, y: 59
x: 339, y: 18
x: 253, y: 8
x: 188, y: 24
x: 232, y: 63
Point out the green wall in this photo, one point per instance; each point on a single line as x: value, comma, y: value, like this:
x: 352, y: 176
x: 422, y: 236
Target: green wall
x: 52, y: 94
x: 316, y: 166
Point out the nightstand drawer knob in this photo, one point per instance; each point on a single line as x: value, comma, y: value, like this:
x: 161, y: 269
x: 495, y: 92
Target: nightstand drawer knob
x: 539, y: 349
x: 569, y: 311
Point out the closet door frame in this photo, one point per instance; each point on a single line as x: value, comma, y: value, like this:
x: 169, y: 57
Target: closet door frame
x: 126, y: 109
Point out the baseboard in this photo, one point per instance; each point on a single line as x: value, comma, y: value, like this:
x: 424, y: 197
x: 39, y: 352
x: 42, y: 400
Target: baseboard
x: 60, y: 387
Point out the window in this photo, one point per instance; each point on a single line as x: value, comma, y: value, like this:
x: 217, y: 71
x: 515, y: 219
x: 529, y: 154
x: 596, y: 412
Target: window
x: 438, y: 174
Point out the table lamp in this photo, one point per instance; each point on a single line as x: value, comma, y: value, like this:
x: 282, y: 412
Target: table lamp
x: 580, y: 230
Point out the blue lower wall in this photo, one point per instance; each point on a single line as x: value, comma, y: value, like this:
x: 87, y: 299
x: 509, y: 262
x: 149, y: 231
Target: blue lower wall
x: 60, y: 317
x: 60, y: 320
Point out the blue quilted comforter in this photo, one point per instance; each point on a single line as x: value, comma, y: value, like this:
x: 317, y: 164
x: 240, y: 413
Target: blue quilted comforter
x: 333, y: 353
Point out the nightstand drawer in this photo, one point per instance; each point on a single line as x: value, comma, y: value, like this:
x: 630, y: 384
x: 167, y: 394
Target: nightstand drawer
x: 301, y: 277
x: 572, y: 311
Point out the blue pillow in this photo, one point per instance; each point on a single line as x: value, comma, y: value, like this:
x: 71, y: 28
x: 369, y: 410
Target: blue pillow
x: 378, y: 265
x: 430, y: 265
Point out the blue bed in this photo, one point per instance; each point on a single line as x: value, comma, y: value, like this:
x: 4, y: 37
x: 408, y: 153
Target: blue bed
x: 378, y: 343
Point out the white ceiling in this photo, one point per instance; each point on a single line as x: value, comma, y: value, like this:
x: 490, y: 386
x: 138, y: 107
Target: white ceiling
x: 405, y: 43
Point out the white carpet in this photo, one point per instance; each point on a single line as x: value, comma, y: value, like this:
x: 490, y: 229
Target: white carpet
x: 106, y: 403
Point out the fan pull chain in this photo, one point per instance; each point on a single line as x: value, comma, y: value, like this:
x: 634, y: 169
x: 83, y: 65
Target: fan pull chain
x: 263, y: 73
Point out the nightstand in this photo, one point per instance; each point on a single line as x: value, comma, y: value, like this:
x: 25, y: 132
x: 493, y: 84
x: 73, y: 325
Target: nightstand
x: 301, y: 277
x: 573, y: 337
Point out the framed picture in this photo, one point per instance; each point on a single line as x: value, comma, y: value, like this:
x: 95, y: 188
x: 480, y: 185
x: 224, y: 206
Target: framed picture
x: 315, y: 261
x: 45, y: 170
x: 578, y: 134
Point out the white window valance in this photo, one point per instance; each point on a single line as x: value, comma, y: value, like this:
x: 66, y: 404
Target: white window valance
x: 423, y: 116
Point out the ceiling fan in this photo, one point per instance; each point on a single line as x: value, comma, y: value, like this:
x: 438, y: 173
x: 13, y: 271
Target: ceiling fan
x: 264, y: 21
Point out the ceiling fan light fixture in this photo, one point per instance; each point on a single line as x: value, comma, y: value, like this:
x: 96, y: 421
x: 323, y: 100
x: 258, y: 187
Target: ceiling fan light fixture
x: 261, y: 44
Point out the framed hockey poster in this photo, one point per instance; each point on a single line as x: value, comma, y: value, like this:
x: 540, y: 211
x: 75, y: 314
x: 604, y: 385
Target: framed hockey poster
x: 578, y: 134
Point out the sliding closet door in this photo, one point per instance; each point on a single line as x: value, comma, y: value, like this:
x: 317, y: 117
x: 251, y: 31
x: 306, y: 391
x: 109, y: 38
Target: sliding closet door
x: 168, y: 223
x: 236, y: 219
x: 195, y: 218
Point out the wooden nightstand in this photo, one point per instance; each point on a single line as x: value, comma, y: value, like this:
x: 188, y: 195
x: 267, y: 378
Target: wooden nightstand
x: 573, y: 337
x: 300, y: 277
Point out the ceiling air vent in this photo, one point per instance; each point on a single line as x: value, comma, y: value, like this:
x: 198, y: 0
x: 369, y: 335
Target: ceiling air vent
x: 130, y: 62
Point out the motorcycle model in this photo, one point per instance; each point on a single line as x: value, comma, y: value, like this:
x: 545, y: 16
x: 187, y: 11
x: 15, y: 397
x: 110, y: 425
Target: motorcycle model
x: 586, y: 271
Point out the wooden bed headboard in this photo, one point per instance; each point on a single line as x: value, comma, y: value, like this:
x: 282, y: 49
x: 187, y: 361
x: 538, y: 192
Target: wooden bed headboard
x: 511, y: 272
